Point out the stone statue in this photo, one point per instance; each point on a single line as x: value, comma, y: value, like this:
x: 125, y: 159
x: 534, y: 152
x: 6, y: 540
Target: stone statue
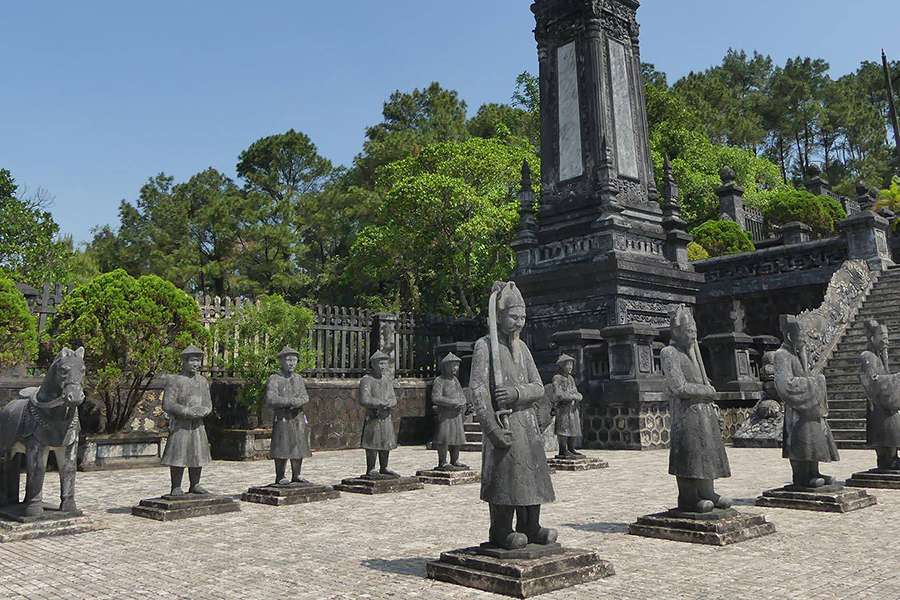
x: 883, y: 391
x: 505, y: 385
x: 566, y: 399
x: 807, y: 437
x: 187, y: 401
x: 697, y: 454
x: 376, y: 395
x: 286, y: 395
x: 42, y: 419
x: 450, y: 406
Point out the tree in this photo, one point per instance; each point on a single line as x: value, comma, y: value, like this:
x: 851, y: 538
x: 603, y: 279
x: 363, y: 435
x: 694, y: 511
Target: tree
x: 527, y: 97
x: 18, y: 329
x: 821, y: 213
x: 696, y: 252
x: 132, y: 329
x: 720, y: 238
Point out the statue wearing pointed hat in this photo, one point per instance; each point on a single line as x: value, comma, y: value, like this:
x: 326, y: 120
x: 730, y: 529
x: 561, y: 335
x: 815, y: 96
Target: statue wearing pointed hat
x: 697, y: 454
x: 506, y: 386
x: 883, y: 391
x: 187, y: 401
x: 286, y: 395
x: 377, y: 397
x: 566, y: 399
x: 450, y: 406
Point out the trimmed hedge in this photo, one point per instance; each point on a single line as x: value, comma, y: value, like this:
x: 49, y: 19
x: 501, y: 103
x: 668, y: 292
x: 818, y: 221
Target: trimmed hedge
x: 720, y: 238
x: 821, y: 213
x: 18, y: 328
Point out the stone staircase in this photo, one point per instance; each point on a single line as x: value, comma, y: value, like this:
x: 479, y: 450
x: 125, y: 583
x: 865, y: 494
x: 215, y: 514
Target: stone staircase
x: 473, y: 437
x: 846, y: 398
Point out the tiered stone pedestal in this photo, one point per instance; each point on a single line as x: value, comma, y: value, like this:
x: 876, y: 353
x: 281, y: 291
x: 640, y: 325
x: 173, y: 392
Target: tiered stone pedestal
x: 716, y: 528
x: 293, y: 493
x: 577, y: 463
x: 173, y: 508
x: 876, y: 478
x: 436, y: 477
x: 832, y: 498
x: 362, y: 485
x: 523, y: 573
x: 15, y: 526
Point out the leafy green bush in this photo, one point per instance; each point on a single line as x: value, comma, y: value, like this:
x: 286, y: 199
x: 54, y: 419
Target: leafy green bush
x: 265, y: 327
x: 696, y: 252
x: 18, y: 330
x: 719, y: 238
x: 821, y: 213
x: 132, y: 330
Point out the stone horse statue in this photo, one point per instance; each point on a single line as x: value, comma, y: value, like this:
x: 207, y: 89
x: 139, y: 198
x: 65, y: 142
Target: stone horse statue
x: 40, y: 420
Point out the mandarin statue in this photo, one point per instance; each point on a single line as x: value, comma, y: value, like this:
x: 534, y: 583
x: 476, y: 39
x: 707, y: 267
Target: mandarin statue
x: 883, y: 391
x: 697, y: 454
x: 450, y: 407
x: 377, y: 397
x: 187, y: 401
x: 566, y: 400
x: 506, y: 386
x: 807, y: 437
x: 286, y: 395
x: 44, y: 419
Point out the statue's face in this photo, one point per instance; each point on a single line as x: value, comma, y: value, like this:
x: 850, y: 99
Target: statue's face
x: 380, y: 366
x: 798, y: 340
x: 686, y: 333
x: 453, y: 369
x: 289, y: 363
x: 568, y: 367
x: 512, y: 320
x: 880, y: 338
x: 191, y: 364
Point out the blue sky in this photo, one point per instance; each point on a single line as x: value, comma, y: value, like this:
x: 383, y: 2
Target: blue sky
x: 97, y: 96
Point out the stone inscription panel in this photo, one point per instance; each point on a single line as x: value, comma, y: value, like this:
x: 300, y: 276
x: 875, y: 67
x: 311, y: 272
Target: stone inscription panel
x: 571, y: 164
x: 623, y: 115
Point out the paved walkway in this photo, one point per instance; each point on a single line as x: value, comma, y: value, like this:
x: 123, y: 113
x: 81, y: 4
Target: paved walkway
x: 376, y: 547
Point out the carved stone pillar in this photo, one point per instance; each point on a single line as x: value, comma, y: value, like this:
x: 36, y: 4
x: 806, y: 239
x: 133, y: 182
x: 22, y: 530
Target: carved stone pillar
x: 867, y: 239
x: 795, y: 232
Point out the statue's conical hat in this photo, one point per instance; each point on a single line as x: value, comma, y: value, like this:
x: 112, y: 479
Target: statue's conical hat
x: 450, y: 358
x: 379, y: 355
x: 192, y: 350
x: 564, y: 358
x: 288, y: 351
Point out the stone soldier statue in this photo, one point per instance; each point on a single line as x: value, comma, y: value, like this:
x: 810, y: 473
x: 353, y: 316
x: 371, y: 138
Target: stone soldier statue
x: 696, y: 455
x: 450, y: 405
x: 883, y: 391
x: 807, y: 437
x: 506, y: 385
x: 566, y: 399
x: 187, y: 401
x: 376, y: 395
x: 286, y: 395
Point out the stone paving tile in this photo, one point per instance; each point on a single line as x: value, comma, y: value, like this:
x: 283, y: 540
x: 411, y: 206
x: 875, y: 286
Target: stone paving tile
x: 375, y: 547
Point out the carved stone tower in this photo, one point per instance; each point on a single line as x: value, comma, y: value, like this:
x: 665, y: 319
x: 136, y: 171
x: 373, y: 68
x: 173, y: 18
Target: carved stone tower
x: 604, y: 259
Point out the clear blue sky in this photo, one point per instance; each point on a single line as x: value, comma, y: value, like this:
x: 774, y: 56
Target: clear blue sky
x: 97, y: 96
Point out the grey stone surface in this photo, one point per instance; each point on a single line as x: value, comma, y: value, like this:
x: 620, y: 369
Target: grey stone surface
x: 834, y: 498
x: 585, y: 463
x: 436, y: 477
x: 17, y: 526
x: 363, y: 485
x: 622, y: 110
x: 186, y: 506
x: 294, y: 493
x: 888, y: 479
x: 571, y: 163
x: 720, y: 529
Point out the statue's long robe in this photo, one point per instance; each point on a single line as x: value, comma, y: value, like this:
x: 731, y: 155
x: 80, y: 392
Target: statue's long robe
x: 696, y: 449
x: 518, y: 475
x: 565, y: 399
x: 187, y: 445
x: 883, y: 391
x: 377, y: 396
x: 290, y: 433
x: 449, y: 406
x: 806, y: 433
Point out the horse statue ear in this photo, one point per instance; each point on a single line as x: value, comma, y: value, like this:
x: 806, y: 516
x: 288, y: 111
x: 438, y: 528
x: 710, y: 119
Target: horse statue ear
x: 64, y: 352
x: 80, y: 352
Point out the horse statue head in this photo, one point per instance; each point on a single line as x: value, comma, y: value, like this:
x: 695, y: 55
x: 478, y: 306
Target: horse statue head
x: 62, y: 386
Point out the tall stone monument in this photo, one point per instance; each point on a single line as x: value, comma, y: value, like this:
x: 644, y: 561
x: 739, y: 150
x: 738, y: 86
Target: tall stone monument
x: 608, y: 253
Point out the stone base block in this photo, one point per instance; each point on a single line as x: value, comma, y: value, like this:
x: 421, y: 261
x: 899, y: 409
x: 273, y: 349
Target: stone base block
x: 876, y: 478
x: 577, y: 463
x: 717, y: 528
x: 284, y: 495
x: 519, y: 577
x: 436, y: 477
x: 173, y: 508
x: 15, y: 526
x: 361, y: 485
x: 833, y: 498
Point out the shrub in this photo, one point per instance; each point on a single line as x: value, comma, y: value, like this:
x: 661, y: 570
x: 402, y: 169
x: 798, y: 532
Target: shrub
x: 719, y: 238
x: 265, y: 327
x: 18, y: 330
x: 696, y: 252
x: 821, y: 213
x: 132, y: 330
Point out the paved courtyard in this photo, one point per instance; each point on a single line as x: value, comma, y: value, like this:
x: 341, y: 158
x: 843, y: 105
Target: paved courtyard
x: 376, y: 547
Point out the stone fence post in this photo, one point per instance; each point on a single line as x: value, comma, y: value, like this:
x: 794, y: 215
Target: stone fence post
x: 795, y: 232
x: 731, y: 198
x: 866, y: 234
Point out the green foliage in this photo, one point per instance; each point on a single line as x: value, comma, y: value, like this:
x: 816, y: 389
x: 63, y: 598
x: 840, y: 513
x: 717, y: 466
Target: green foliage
x: 18, y: 329
x: 819, y: 212
x: 132, y: 329
x: 890, y: 197
x: 720, y: 238
x: 265, y: 327
x: 696, y: 252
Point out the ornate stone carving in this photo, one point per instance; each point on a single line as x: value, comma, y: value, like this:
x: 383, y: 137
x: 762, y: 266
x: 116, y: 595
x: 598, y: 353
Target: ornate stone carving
x: 642, y: 311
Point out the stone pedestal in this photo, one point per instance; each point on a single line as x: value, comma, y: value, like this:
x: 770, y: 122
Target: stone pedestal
x: 436, y: 477
x: 173, y: 508
x: 15, y: 526
x: 716, y: 528
x: 121, y: 451
x: 729, y: 362
x: 577, y: 463
x: 876, y: 478
x: 294, y: 493
x: 362, y: 485
x: 832, y: 498
x: 522, y: 573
